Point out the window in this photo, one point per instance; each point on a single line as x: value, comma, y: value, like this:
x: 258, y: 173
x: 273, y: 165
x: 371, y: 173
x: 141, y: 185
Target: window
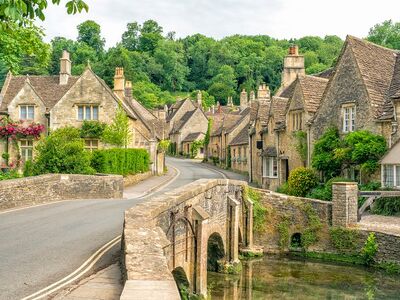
x: 349, y: 118
x: 270, y: 167
x: 26, y: 112
x: 391, y: 175
x: 297, y: 120
x: 88, y: 112
x: 26, y: 150
x: 91, y: 145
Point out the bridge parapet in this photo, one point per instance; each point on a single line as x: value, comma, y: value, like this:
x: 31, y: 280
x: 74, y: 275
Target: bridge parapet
x: 172, y: 231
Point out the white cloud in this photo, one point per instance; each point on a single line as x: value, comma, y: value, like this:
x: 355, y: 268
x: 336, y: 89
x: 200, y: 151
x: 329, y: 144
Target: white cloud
x: 219, y: 18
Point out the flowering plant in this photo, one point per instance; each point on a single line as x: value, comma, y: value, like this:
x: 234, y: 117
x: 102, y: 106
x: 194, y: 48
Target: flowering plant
x: 11, y: 129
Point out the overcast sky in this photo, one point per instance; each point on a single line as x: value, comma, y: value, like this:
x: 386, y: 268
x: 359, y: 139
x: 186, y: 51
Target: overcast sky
x: 220, y: 18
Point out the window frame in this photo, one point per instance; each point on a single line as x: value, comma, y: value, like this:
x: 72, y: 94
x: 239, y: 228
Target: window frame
x: 270, y: 167
x: 349, y: 118
x: 91, y: 147
x: 27, y: 106
x: 23, y: 148
x: 87, y: 108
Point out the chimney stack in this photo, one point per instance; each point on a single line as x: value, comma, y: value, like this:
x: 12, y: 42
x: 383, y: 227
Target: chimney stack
x: 293, y: 66
x: 243, y: 99
x: 65, y: 68
x: 263, y: 92
x: 119, y: 83
x: 128, y: 90
x: 252, y: 96
x: 199, y: 99
x: 230, y: 101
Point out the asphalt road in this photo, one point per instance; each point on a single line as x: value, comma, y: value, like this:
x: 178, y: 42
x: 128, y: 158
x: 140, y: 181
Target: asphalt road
x: 41, y: 245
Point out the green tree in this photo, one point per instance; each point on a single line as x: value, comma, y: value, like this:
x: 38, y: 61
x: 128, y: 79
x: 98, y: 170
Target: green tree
x: 89, y: 32
x: 150, y: 35
x: 324, y: 159
x: 62, y: 152
x: 23, y: 47
x: 118, y: 133
x: 223, y: 85
x: 386, y: 34
x: 130, y: 38
x: 150, y: 95
x: 24, y: 12
x: 206, y: 99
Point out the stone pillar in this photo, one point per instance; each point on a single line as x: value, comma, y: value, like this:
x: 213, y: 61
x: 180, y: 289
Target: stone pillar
x: 201, y: 258
x: 234, y: 242
x: 153, y: 155
x: 249, y: 225
x: 344, y: 204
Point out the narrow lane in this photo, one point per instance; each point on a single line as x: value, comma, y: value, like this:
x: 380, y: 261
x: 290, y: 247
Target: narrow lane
x: 41, y: 245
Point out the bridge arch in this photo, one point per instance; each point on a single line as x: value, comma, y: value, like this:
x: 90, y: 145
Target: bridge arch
x: 215, y: 251
x: 182, y: 281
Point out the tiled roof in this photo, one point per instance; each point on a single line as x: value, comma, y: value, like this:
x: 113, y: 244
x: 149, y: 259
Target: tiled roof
x: 193, y: 136
x: 241, y: 138
x: 269, y: 152
x: 216, y: 125
x: 313, y: 89
x: 263, y: 110
x: 288, y: 92
x: 325, y: 74
x: 176, y: 106
x: 182, y: 121
x: 278, y: 109
x: 47, y: 88
x: 376, y: 65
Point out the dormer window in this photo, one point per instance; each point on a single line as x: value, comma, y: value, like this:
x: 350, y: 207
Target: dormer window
x: 26, y: 112
x: 88, y: 112
x: 349, y: 118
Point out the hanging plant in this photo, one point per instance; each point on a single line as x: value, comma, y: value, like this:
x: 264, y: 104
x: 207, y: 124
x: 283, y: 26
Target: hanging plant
x: 13, y: 130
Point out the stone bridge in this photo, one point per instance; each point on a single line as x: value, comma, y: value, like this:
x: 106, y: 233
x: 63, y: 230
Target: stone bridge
x: 181, y: 233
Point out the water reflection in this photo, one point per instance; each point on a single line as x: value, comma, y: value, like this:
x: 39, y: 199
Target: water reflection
x: 284, y: 278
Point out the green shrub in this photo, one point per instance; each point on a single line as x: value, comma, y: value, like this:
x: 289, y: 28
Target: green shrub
x: 301, y: 181
x: 370, y: 186
x: 12, y: 174
x: 259, y: 211
x: 344, y: 240
x: 62, y: 152
x: 92, y: 129
x: 324, y: 192
x: 28, y: 169
x: 387, y: 206
x: 283, y: 189
x: 121, y: 161
x: 369, y: 250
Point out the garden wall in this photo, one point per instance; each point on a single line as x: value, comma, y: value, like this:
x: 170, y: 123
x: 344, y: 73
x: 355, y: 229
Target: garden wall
x: 286, y: 215
x: 55, y: 187
x: 134, y: 179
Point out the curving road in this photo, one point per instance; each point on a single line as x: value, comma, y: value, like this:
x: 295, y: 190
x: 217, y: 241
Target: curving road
x: 40, y: 245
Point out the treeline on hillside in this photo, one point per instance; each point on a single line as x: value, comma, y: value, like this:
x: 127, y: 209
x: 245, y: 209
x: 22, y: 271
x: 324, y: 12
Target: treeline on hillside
x: 162, y: 66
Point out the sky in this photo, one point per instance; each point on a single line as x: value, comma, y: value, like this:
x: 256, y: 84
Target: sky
x: 220, y: 18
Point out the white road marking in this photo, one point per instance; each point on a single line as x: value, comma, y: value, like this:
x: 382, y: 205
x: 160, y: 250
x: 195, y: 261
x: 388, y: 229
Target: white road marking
x: 85, y: 267
x: 89, y: 263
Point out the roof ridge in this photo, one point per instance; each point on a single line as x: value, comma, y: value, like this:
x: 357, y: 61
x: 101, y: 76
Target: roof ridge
x: 351, y: 37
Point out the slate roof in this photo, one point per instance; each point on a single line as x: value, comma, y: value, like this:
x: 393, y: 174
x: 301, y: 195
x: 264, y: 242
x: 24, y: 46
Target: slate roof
x: 193, y: 136
x: 376, y: 65
x: 313, y: 89
x: 288, y: 91
x: 176, y: 106
x: 47, y: 88
x: 325, y: 74
x: 242, y: 138
x: 270, y: 152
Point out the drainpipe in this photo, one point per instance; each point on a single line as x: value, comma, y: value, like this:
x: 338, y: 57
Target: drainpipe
x: 251, y: 159
x: 308, y: 145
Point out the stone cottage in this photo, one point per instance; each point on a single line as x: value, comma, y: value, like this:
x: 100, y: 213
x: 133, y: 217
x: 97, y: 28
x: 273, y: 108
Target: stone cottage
x: 67, y: 100
x: 363, y: 94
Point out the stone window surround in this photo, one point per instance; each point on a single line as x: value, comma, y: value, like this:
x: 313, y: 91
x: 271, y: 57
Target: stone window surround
x: 85, y: 105
x: 91, y: 144
x: 271, y: 172
x: 27, y: 106
x: 26, y: 146
x: 351, y: 117
x: 296, y: 120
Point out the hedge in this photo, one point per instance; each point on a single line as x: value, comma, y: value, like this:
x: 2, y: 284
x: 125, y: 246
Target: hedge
x: 121, y: 161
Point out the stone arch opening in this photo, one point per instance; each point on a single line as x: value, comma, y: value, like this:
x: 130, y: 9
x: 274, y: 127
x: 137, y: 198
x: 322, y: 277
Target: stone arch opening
x: 215, y: 251
x: 295, y: 240
x: 181, y: 281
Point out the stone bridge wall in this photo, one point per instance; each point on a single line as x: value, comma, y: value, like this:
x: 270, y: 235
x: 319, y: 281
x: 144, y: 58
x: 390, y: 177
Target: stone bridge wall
x: 149, y: 255
x: 55, y: 187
